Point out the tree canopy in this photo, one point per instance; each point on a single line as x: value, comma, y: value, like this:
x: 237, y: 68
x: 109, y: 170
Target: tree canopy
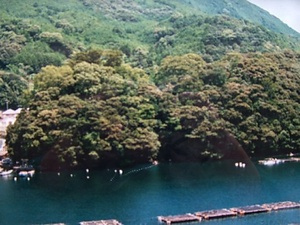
x: 99, y: 111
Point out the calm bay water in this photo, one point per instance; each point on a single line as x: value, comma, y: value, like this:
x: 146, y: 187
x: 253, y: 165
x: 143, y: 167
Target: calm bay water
x: 143, y: 193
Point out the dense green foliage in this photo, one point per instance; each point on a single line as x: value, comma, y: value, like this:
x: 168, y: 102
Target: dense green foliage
x: 242, y: 9
x: 96, y: 110
x: 177, y: 83
x: 11, y: 90
x: 53, y: 30
x: 92, y: 110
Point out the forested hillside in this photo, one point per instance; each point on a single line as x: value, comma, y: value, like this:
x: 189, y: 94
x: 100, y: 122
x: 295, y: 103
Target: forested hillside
x: 95, y: 110
x: 146, y: 31
x: 175, y: 82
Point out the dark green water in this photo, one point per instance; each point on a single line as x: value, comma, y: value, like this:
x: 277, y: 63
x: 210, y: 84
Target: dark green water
x: 140, y: 195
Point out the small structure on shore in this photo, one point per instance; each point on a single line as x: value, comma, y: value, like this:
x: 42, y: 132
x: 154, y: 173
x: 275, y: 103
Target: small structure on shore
x: 7, y: 118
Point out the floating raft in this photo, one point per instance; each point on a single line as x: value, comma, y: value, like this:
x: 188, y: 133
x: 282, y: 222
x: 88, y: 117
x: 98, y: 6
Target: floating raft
x: 281, y: 205
x: 56, y: 224
x: 179, y: 218
x: 214, y: 214
x: 101, y: 222
x: 223, y: 213
x: 249, y: 209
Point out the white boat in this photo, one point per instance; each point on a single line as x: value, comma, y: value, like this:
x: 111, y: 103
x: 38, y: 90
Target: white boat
x: 6, y: 173
x: 28, y: 173
x: 270, y: 161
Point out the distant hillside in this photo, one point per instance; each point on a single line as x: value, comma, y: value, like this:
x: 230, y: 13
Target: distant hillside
x: 53, y: 30
x: 242, y: 9
x: 178, y: 80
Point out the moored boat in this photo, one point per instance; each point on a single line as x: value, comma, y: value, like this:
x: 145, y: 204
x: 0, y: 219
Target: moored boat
x: 26, y: 173
x: 270, y: 161
x: 6, y: 173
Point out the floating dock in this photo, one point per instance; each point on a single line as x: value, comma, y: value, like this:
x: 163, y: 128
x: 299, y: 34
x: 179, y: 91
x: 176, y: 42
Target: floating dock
x: 214, y: 214
x: 56, y: 224
x: 250, y: 209
x: 186, y: 218
x: 225, y: 213
x: 101, y: 222
x: 281, y: 205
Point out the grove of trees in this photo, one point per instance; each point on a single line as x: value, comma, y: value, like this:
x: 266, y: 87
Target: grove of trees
x: 97, y: 110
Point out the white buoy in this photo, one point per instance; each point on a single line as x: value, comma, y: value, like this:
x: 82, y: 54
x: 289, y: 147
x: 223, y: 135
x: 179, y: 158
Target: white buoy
x: 116, y: 171
x: 71, y: 175
x: 87, y: 170
x: 58, y: 174
x: 120, y: 172
x: 15, y: 178
x: 240, y: 164
x: 236, y: 164
x: 28, y: 178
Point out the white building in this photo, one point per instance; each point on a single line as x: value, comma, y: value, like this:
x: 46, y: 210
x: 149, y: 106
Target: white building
x: 8, y: 117
x: 2, y: 147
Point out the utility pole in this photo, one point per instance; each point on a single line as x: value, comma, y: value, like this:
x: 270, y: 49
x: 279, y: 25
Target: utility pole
x: 6, y: 101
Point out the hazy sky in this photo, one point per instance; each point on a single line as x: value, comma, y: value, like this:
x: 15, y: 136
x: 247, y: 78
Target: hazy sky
x: 287, y: 11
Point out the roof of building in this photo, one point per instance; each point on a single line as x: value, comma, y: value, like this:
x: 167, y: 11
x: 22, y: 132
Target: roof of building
x: 12, y: 112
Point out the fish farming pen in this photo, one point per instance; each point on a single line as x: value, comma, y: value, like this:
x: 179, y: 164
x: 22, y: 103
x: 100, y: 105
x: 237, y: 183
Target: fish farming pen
x: 250, y: 209
x: 101, y: 222
x: 186, y: 218
x: 214, y: 214
x: 209, y: 214
x: 56, y: 224
x: 281, y: 205
x: 225, y: 213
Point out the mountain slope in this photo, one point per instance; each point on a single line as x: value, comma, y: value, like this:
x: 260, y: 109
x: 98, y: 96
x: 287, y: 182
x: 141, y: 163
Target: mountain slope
x: 161, y: 27
x: 242, y: 9
x: 177, y: 83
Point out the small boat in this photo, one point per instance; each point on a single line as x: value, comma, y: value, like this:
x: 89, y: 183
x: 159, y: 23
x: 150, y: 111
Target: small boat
x: 23, y: 168
x: 25, y: 173
x: 270, y: 161
x: 6, y: 173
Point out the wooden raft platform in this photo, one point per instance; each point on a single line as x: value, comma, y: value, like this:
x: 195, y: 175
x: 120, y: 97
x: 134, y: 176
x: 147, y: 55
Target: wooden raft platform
x: 179, y: 218
x: 224, y: 213
x: 214, y: 214
x: 55, y: 224
x: 281, y: 205
x: 101, y: 222
x: 249, y: 209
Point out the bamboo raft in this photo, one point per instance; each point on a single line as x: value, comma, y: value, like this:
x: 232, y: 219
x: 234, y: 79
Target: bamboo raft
x: 224, y: 213
x: 101, y: 222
